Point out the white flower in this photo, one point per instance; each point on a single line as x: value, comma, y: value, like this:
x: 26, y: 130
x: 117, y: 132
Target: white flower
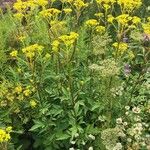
x: 118, y: 146
x: 73, y: 142
x: 76, y: 135
x: 121, y: 134
x: 127, y: 107
x: 125, y: 123
x: 83, y: 143
x: 90, y: 148
x: 71, y: 148
x: 148, y: 147
x: 127, y: 113
x: 129, y: 140
x: 136, y: 110
x: 91, y: 136
x: 119, y: 120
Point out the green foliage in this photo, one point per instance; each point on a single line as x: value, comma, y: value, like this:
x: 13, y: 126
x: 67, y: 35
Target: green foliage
x: 73, y: 79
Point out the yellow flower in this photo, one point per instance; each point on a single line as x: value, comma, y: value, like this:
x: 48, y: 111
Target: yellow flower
x: 4, y: 135
x: 18, y: 89
x: 129, y: 5
x: 27, y: 92
x: 18, y: 16
x: 110, y: 19
x: 67, y: 10
x: 91, y: 22
x: 123, y: 19
x: 31, y: 50
x: 52, y: 12
x: 22, y: 38
x: 79, y: 4
x: 100, y: 29
x: 33, y: 103
x: 14, y: 53
x: 42, y: 2
x: 68, y: 40
x: 99, y: 14
x: 136, y: 20
x: 120, y: 47
x: 55, y: 45
x: 106, y: 6
x: 105, y: 1
x: 21, y: 6
x: 146, y: 28
x: 66, y: 1
x: 74, y: 35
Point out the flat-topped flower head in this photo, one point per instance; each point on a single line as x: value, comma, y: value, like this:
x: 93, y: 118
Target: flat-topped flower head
x: 31, y: 50
x: 14, y: 53
x: 129, y: 5
x: 79, y: 4
x: 67, y: 10
x: 146, y: 28
x: 91, y: 23
x: 5, y: 134
x: 52, y: 12
x: 123, y: 19
x: 68, y: 40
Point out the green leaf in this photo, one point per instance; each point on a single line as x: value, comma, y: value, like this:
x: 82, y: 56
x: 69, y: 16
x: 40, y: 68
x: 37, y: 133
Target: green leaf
x: 62, y: 136
x: 37, y: 125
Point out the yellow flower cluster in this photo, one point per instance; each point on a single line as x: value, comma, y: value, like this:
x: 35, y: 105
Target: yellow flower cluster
x: 28, y: 90
x: 106, y: 4
x: 79, y: 4
x: 6, y: 94
x: 52, y: 12
x: 5, y: 134
x: 136, y: 20
x: 91, y: 23
x: 14, y: 53
x: 30, y: 51
x: 146, y: 27
x: 110, y: 18
x: 67, y: 10
x: 18, y: 15
x: 33, y: 103
x: 68, y: 40
x: 21, y: 6
x: 10, y: 94
x: 105, y: 1
x: 18, y: 89
x: 66, y: 1
x: 120, y: 47
x: 99, y: 14
x: 123, y: 19
x: 100, y: 29
x: 55, y: 45
x: 41, y: 2
x: 129, y: 5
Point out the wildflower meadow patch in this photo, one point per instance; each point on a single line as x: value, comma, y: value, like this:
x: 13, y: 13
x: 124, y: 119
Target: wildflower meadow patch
x: 75, y: 75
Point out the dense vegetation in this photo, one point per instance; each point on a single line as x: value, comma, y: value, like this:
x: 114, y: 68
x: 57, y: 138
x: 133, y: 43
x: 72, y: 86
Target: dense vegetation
x: 75, y: 75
